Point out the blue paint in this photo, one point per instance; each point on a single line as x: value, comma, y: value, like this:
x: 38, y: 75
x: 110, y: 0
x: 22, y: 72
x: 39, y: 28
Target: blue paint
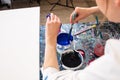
x: 62, y: 39
x: 48, y: 15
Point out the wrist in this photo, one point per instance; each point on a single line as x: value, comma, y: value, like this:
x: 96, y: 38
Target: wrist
x: 93, y: 10
x: 51, y: 42
x: 51, y: 47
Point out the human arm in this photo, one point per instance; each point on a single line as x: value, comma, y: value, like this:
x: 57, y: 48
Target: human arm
x: 83, y: 13
x: 52, y: 29
x: 100, y: 69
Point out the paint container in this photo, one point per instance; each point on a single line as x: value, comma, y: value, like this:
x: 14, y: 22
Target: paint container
x: 99, y: 48
x: 82, y: 52
x: 100, y: 43
x: 64, y: 42
x: 71, y: 60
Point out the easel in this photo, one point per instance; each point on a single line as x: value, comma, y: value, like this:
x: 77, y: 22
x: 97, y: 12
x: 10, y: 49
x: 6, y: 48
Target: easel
x: 58, y: 3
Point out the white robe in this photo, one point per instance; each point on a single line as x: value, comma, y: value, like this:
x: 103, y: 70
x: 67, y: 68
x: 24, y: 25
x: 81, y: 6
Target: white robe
x: 106, y: 67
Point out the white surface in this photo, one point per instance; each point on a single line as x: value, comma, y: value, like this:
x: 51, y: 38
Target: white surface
x: 19, y: 44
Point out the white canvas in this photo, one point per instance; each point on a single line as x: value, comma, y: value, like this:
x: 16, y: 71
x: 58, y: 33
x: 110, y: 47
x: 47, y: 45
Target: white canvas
x: 19, y: 44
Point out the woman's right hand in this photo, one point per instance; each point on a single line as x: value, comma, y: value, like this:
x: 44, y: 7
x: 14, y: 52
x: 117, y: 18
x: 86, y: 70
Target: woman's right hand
x: 82, y: 13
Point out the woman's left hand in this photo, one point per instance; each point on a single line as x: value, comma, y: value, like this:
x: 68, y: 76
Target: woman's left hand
x: 52, y: 29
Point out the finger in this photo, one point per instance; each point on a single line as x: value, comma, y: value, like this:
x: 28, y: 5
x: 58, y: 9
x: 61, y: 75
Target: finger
x: 52, y: 16
x: 73, y: 16
x: 76, y: 20
x: 48, y: 19
x: 71, y: 21
x: 48, y: 15
x: 58, y: 20
x: 55, y: 18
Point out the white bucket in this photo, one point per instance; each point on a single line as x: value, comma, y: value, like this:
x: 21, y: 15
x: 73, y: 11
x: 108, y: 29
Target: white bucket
x: 71, y: 59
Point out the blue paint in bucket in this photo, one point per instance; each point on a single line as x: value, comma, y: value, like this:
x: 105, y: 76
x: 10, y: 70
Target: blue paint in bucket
x: 64, y: 39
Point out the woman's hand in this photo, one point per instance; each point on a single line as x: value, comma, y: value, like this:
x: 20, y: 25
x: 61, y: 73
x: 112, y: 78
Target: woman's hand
x: 52, y: 28
x: 83, y: 13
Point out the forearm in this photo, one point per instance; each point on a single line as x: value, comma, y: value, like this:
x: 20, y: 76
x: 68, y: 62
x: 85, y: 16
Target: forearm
x: 50, y: 59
